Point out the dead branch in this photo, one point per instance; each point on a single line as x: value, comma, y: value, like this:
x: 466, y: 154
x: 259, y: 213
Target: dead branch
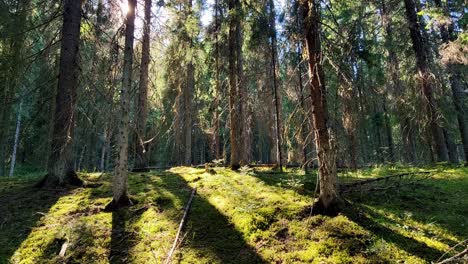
x: 181, y: 225
x: 455, y: 258
x: 361, y: 185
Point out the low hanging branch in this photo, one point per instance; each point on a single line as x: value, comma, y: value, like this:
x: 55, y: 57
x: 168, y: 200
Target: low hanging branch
x: 181, y: 225
x: 363, y: 185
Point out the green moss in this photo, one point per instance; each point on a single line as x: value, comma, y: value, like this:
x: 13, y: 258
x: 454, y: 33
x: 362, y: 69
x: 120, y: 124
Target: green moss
x: 235, y: 218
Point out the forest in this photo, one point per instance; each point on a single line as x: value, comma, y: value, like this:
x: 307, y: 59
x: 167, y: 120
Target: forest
x: 233, y: 131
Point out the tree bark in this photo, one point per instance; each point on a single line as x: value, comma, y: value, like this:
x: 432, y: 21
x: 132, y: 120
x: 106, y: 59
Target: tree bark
x: 279, y: 158
x: 329, y: 200
x: 60, y: 167
x: 120, y: 188
x: 16, y: 143
x: 141, y: 153
x: 419, y: 47
x: 234, y: 111
x: 456, y: 84
x: 216, y: 121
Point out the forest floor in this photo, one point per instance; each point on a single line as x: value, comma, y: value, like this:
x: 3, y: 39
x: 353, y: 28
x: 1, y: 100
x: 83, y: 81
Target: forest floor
x: 236, y: 217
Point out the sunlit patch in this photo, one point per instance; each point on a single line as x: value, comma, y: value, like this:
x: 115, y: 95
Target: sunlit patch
x: 124, y: 7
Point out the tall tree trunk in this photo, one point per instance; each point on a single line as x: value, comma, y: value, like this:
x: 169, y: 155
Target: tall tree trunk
x: 120, y: 188
x: 141, y: 153
x: 60, y: 167
x: 272, y: 18
x: 456, y: 83
x: 329, y: 200
x: 420, y: 50
x: 188, y: 97
x: 216, y: 121
x: 303, y: 134
x: 16, y: 142
x: 234, y: 111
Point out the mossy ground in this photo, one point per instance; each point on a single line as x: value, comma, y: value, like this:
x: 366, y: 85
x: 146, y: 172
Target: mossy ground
x: 236, y: 217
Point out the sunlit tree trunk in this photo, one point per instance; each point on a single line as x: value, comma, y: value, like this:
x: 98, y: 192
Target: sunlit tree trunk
x: 329, y: 200
x: 120, y: 188
x: 234, y: 106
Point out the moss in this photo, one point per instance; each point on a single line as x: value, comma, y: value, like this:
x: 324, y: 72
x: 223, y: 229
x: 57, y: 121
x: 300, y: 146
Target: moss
x: 236, y: 217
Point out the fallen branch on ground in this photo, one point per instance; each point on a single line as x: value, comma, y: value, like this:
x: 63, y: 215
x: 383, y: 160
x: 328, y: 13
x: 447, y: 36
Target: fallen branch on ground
x: 456, y: 258
x: 358, y: 185
x: 181, y: 225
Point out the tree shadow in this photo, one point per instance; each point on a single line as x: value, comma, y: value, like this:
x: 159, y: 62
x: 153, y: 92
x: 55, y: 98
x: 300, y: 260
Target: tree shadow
x: 303, y: 184
x: 208, y: 230
x: 122, y: 240
x: 358, y: 214
x: 22, y: 207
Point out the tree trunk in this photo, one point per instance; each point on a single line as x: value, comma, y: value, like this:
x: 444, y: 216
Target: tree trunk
x: 188, y: 97
x: 303, y: 134
x: 120, y: 188
x: 425, y: 78
x: 329, y: 200
x: 234, y: 111
x: 276, y: 98
x: 456, y: 84
x: 141, y: 153
x: 216, y: 121
x: 16, y: 143
x: 396, y: 87
x: 60, y: 167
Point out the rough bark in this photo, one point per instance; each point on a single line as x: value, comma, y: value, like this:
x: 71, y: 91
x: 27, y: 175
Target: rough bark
x: 60, y: 167
x: 141, y: 152
x: 420, y: 49
x: 120, y: 188
x: 329, y: 200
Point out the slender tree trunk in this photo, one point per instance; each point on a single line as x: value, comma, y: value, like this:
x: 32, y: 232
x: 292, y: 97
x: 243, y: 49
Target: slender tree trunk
x: 216, y: 121
x: 141, y: 153
x: 16, y: 143
x: 60, y: 167
x: 120, y: 188
x: 188, y: 97
x: 329, y: 200
x: 303, y: 134
x: 388, y: 131
x: 420, y: 50
x: 234, y: 9
x: 276, y: 98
